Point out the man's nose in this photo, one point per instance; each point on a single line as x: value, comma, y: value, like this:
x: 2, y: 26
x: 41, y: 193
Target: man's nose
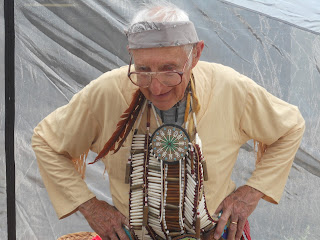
x: 155, y: 85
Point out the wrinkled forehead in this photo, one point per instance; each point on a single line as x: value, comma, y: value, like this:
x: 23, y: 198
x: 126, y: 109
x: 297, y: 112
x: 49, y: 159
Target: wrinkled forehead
x: 164, y: 55
x: 161, y: 34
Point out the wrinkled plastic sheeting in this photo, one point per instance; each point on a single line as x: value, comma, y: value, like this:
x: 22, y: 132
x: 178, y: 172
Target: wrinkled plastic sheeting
x: 3, y: 194
x: 62, y: 45
x: 305, y: 15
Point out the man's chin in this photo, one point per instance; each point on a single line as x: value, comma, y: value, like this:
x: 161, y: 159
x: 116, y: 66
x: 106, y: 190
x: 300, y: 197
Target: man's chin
x: 164, y: 106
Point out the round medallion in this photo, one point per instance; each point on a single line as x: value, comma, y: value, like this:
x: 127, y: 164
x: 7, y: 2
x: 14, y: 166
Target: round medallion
x: 170, y: 143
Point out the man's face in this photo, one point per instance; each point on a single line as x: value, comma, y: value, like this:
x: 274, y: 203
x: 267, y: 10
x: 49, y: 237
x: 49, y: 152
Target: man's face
x: 159, y: 60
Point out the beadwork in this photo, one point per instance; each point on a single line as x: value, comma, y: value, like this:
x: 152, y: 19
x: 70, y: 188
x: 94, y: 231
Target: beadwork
x: 166, y: 175
x: 169, y: 143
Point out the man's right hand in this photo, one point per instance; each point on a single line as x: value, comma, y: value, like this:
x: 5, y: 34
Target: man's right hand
x: 104, y: 219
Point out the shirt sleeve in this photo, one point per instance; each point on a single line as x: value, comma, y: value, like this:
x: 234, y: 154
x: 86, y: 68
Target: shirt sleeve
x: 280, y: 126
x: 66, y: 133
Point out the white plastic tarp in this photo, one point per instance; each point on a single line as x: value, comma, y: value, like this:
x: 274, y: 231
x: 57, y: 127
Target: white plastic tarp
x: 303, y: 14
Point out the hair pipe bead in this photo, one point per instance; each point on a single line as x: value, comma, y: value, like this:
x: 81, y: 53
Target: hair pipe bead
x: 137, y: 200
x: 140, y: 135
x: 137, y: 144
x: 190, y: 193
x: 153, y: 210
x: 135, y: 224
x: 139, y: 186
x: 189, y: 203
x: 138, y: 168
x: 137, y: 197
x: 137, y: 182
x: 136, y: 221
x: 205, y: 224
x: 137, y: 141
x: 189, y: 209
x: 127, y: 176
x: 137, y: 191
x: 154, y: 193
x: 192, y: 182
x: 155, y: 227
x: 137, y: 155
x: 135, y: 215
x: 153, y: 199
x: 153, y: 202
x: 137, y: 163
x: 145, y: 215
x: 189, y: 217
x: 138, y: 147
x: 136, y: 174
x: 155, y: 174
x: 188, y: 169
x: 154, y: 179
x: 198, y: 228
x: 154, y: 186
x: 136, y: 203
x: 153, y: 220
x: 155, y: 169
x: 209, y: 227
x: 137, y: 211
x: 136, y: 206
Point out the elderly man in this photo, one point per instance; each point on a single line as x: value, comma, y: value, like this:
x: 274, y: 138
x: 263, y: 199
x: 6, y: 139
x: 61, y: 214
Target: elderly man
x: 181, y: 123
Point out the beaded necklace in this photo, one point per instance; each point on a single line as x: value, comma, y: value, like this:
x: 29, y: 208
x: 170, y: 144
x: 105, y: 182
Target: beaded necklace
x: 166, y: 171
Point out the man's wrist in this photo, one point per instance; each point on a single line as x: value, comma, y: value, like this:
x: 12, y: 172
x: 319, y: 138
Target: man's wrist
x: 87, y: 205
x: 258, y: 194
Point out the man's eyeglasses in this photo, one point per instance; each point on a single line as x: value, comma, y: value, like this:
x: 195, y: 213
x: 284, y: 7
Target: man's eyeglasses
x: 167, y: 78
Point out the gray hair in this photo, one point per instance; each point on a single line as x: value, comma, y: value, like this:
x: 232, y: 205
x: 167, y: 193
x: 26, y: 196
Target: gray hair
x: 160, y: 12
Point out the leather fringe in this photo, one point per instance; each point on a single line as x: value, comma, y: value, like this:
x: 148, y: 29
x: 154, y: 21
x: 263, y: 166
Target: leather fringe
x: 80, y: 163
x: 262, y: 148
x: 196, y: 105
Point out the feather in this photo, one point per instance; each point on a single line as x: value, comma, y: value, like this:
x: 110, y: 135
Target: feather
x: 124, y: 126
x: 130, y: 124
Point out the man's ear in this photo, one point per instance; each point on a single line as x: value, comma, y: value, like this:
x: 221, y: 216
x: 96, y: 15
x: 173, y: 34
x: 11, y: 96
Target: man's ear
x: 197, y: 53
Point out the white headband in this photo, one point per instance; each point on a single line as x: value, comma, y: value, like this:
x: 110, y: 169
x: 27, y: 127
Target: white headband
x: 161, y: 34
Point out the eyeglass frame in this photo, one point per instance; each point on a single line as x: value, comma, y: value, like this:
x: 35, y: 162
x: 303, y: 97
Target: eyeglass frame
x: 155, y: 73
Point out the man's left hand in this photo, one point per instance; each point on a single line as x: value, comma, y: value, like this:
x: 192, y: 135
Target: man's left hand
x: 237, y: 206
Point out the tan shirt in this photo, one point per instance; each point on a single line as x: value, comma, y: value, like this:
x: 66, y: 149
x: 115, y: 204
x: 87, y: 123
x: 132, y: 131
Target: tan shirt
x: 233, y: 110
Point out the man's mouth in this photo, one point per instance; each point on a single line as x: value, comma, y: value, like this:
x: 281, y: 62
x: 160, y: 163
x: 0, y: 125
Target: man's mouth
x: 161, y: 96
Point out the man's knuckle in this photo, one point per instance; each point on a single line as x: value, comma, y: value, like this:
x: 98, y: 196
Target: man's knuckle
x: 224, y: 218
x: 233, y: 227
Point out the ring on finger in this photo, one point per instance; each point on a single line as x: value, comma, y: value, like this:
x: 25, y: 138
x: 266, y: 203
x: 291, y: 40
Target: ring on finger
x: 234, y: 223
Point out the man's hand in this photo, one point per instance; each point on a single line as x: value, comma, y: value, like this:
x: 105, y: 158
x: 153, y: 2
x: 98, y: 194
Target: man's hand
x: 104, y: 219
x: 237, y: 206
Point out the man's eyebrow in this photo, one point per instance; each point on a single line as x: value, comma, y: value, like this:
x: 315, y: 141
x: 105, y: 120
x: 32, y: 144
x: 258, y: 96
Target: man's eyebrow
x: 142, y: 67
x: 170, y: 66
